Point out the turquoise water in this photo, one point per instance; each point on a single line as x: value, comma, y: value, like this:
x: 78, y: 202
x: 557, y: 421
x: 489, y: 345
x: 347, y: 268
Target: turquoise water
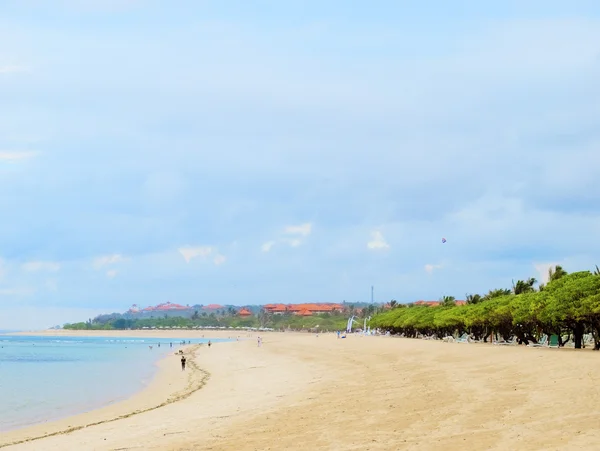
x: 48, y: 378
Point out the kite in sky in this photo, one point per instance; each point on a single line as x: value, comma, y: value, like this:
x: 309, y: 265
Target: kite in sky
x: 443, y: 240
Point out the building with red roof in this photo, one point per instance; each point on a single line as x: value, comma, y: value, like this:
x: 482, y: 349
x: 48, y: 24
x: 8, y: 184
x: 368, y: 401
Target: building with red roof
x: 302, y: 309
x: 244, y: 312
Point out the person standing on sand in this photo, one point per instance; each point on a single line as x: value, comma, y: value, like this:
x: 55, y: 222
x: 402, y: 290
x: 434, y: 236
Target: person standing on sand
x: 182, y: 363
x: 209, y: 343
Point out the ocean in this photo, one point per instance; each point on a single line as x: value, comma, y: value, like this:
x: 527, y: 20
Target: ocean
x: 48, y: 378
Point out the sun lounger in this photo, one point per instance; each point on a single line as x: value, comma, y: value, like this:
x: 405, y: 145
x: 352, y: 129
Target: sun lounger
x: 543, y: 342
x: 464, y: 338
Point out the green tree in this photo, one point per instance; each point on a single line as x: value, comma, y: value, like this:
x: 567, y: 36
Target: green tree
x: 448, y: 301
x: 524, y: 286
x: 473, y: 298
x: 497, y: 292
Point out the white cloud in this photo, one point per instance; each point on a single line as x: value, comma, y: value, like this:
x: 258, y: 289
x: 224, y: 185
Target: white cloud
x: 430, y: 268
x: 99, y: 262
x: 189, y: 252
x: 13, y: 155
x: 542, y: 270
x: 294, y: 242
x: 266, y: 247
x: 111, y: 274
x: 302, y: 229
x: 219, y: 259
x: 34, y: 266
x: 378, y: 241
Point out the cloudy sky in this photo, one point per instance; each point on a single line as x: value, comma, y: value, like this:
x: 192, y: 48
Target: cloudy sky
x: 251, y: 152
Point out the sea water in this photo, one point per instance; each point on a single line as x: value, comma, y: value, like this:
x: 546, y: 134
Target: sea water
x: 48, y: 378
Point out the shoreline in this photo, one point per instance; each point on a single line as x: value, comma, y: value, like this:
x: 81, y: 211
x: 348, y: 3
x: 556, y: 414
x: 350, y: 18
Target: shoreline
x: 138, y: 333
x: 163, y: 389
x: 376, y: 393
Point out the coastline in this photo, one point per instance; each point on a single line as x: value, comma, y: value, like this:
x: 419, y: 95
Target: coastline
x: 377, y: 393
x: 168, y: 384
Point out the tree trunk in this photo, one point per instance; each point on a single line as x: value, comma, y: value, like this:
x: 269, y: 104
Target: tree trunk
x: 578, y: 331
x: 596, y: 333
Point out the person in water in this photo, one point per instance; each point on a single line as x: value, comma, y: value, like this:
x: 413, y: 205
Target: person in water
x: 182, y: 363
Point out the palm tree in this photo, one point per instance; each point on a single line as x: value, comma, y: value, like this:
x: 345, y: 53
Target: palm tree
x: 448, y: 300
x: 473, y: 298
x: 597, y: 271
x: 556, y: 273
x: 496, y: 293
x: 393, y: 303
x: 524, y: 286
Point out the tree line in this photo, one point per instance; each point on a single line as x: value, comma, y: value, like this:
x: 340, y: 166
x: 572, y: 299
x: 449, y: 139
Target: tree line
x: 567, y: 306
x: 324, y: 321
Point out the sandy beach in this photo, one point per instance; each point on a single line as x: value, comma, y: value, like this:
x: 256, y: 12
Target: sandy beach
x: 299, y: 391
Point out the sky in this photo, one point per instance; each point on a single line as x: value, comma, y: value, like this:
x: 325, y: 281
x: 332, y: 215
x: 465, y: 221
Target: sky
x: 240, y: 152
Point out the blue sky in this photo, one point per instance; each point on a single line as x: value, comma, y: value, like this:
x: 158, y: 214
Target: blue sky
x: 251, y: 152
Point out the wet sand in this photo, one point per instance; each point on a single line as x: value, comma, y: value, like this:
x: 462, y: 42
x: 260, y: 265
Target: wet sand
x: 300, y: 392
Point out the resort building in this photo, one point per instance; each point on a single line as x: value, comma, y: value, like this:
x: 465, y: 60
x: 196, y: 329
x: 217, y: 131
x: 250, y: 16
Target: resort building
x: 166, y: 307
x: 302, y: 309
x: 244, y: 312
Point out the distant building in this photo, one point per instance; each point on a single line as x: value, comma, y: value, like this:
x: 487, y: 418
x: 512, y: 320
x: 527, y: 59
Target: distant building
x: 302, y: 309
x: 276, y: 309
x: 165, y: 307
x: 244, y: 312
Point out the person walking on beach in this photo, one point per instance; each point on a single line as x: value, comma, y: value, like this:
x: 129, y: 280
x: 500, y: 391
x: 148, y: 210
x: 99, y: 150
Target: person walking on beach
x: 209, y: 343
x: 259, y: 341
x: 182, y: 363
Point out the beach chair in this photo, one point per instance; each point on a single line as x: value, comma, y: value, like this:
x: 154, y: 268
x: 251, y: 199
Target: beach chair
x: 512, y: 341
x: 464, y: 338
x: 543, y: 342
x: 553, y: 343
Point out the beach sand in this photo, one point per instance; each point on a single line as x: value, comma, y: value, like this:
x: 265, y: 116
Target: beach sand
x: 299, y: 392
